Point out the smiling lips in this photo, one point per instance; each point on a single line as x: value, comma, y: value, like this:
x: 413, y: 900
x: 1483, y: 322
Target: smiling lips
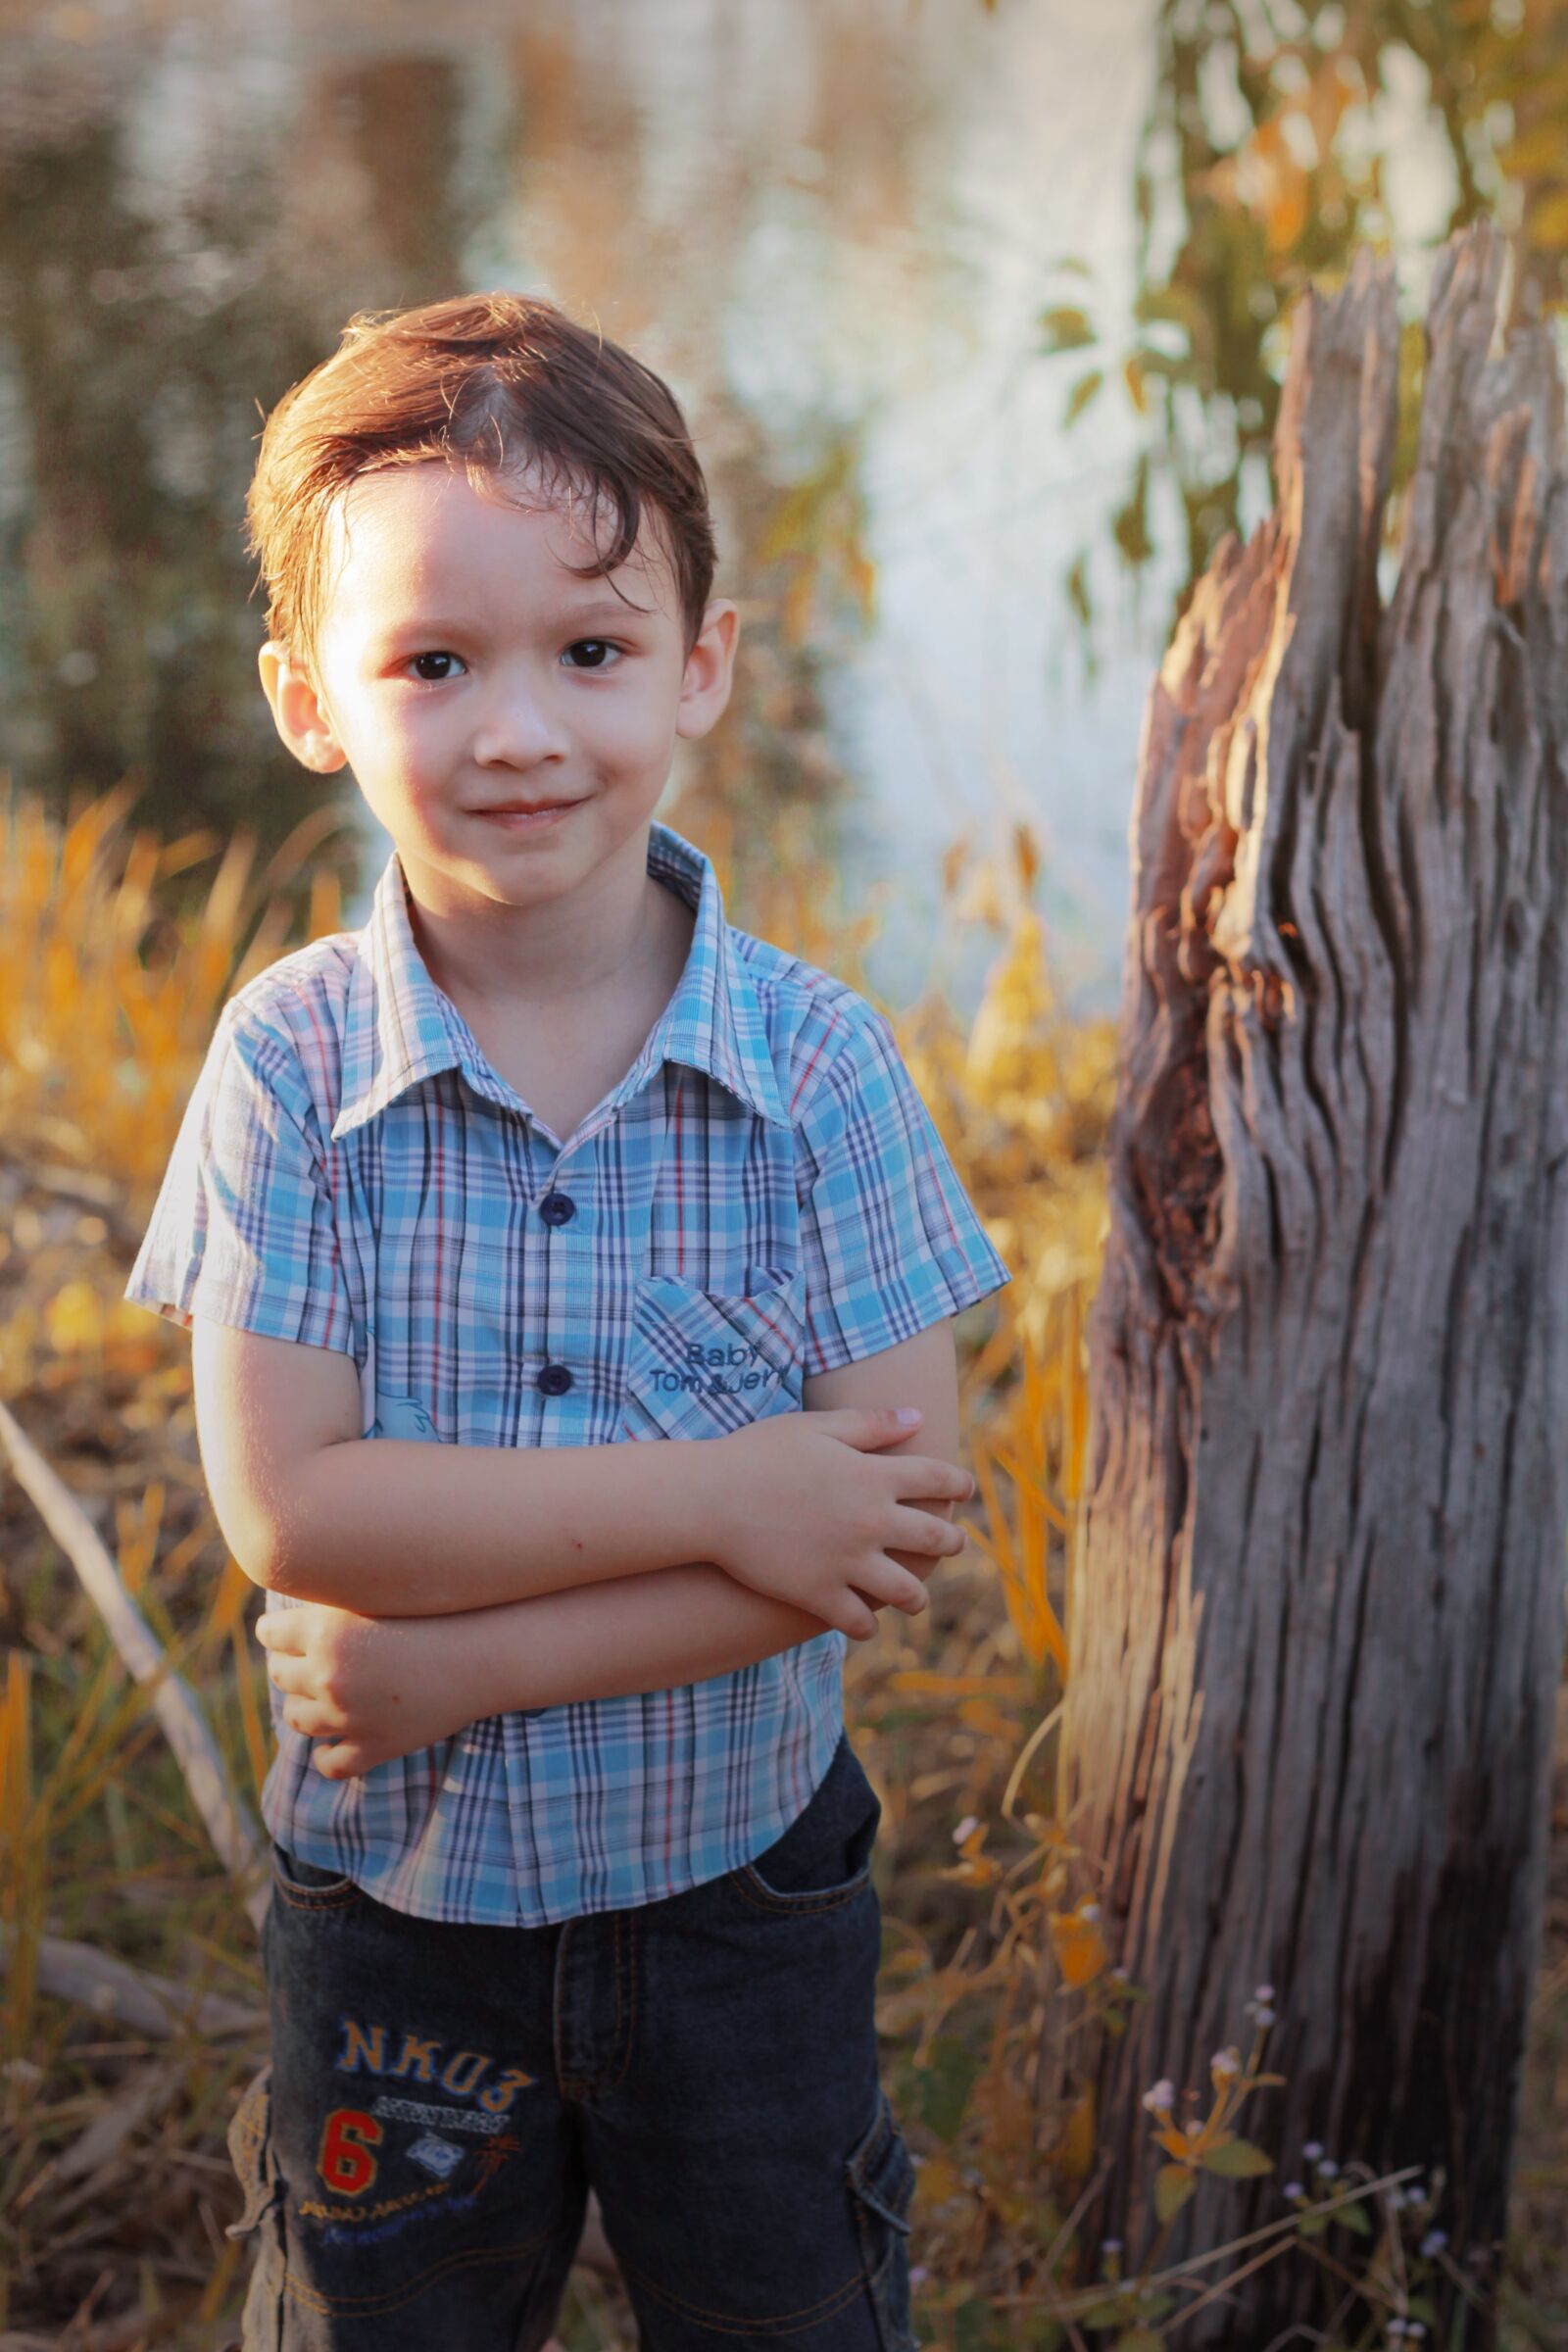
x: 518, y: 813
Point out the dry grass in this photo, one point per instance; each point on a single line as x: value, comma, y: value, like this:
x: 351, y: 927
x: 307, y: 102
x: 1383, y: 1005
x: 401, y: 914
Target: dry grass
x: 115, y: 2184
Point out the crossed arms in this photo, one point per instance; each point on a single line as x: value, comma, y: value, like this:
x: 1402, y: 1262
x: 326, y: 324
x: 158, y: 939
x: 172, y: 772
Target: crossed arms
x: 536, y: 1576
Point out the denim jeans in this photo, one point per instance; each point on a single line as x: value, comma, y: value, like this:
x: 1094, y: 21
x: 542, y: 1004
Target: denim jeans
x: 416, y: 2155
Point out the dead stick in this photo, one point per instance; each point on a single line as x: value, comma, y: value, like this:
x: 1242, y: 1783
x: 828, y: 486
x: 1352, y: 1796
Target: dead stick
x: 228, y: 1821
x: 152, y: 2005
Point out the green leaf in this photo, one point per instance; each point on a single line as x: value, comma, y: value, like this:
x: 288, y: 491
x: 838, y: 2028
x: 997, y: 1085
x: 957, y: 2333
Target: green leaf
x: 1173, y: 2185
x: 1065, y: 329
x: 1083, y: 392
x: 1354, y: 2217
x: 1130, y: 523
x: 943, y: 2083
x: 975, y: 2327
x: 1140, y: 2339
x: 1239, y: 2160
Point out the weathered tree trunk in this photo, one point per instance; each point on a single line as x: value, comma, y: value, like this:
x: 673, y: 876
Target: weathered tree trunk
x: 1317, y: 1601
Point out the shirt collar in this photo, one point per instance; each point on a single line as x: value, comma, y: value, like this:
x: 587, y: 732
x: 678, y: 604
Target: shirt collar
x: 400, y: 1027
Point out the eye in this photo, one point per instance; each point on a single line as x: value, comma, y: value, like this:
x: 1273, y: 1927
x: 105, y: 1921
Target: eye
x: 433, y: 677
x: 591, y: 652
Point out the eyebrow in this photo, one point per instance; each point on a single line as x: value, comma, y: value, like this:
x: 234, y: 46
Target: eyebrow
x: 432, y: 627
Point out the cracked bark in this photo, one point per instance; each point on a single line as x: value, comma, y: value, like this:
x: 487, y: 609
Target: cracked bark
x: 1316, y: 1602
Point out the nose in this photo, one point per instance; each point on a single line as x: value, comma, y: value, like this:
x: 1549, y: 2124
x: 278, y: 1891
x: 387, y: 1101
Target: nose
x: 517, y: 726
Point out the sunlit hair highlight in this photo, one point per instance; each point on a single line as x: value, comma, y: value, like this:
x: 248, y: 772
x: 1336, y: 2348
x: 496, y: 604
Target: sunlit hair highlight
x: 509, y: 389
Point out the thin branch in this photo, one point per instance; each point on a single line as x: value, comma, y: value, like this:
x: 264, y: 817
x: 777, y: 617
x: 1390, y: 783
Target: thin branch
x: 236, y: 1841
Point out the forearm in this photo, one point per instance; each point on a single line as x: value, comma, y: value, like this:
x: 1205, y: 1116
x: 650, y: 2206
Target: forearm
x: 394, y: 1527
x: 653, y: 1632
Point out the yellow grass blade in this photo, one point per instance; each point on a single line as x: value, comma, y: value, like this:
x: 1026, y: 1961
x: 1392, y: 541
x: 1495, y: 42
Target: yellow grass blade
x: 1021, y: 1478
x: 250, y: 1712
x: 15, y: 1749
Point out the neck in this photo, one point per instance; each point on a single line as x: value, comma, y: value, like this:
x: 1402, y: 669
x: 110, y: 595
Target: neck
x: 595, y: 942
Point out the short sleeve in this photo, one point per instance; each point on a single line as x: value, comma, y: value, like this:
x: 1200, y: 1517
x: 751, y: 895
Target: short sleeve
x: 889, y: 1238
x: 243, y: 1228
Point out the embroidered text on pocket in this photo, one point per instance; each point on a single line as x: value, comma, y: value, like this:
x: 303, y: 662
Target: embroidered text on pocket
x: 702, y: 1363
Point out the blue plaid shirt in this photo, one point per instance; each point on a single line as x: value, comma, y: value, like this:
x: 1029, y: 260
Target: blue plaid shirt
x: 762, y: 1198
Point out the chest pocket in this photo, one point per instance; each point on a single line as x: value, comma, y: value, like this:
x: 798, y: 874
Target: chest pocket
x: 704, y: 1362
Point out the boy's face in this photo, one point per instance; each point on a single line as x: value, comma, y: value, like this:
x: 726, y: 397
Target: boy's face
x: 464, y: 666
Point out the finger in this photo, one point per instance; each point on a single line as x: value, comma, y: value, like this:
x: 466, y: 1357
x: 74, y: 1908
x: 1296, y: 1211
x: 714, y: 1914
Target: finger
x: 277, y: 1630
x: 289, y: 1673
x: 858, y: 1620
x: 925, y: 1532
x: 927, y: 1478
x: 870, y: 1426
x: 337, y: 1761
x: 307, y: 1715
x: 896, y: 1587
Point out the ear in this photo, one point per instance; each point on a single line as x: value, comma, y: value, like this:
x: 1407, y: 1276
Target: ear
x: 298, y: 712
x: 710, y: 671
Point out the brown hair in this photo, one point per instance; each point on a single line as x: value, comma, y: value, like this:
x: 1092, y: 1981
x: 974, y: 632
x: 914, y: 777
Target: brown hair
x: 491, y: 382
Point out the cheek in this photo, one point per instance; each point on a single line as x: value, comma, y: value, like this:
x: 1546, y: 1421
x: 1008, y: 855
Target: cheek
x: 403, y: 742
x: 633, y: 725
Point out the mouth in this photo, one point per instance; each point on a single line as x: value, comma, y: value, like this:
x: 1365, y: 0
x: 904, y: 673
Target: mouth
x: 524, y: 814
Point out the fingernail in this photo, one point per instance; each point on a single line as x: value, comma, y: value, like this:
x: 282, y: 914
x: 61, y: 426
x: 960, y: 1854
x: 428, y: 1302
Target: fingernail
x: 907, y: 1413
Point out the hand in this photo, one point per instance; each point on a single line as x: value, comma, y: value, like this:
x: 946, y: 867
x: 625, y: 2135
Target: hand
x: 371, y: 1688
x: 807, y: 1512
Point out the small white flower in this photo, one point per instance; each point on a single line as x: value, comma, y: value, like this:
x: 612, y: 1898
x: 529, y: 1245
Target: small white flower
x: 1159, y: 2094
x: 1434, y: 2241
x: 1225, y: 2062
x: 1089, y: 1911
x: 1327, y: 2167
x: 1264, y: 2017
x: 970, y: 1823
x: 1262, y: 1993
x: 1111, y: 2245
x: 1118, y: 1976
x: 1292, y: 2191
x: 1313, y: 2147
x: 920, y: 2275
x: 1415, y: 2328
x: 1396, y: 2328
x: 1396, y: 2200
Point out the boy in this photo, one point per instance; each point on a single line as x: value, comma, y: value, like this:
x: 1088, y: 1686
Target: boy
x: 576, y: 1884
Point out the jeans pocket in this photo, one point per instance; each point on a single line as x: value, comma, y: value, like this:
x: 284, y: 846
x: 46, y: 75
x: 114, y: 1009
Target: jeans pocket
x: 250, y: 2150
x: 881, y: 2179
x: 307, y: 1886
x: 823, y: 1859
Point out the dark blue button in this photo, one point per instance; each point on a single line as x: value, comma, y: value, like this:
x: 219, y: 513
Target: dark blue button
x: 555, y: 1209
x: 554, y: 1380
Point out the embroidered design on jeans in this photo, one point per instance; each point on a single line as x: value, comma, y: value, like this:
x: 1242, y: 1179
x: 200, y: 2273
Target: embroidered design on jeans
x: 392, y: 2213
x: 344, y: 2160
x: 315, y: 2212
x: 494, y: 2157
x: 446, y: 2119
x: 438, y: 2156
x: 367, y: 2048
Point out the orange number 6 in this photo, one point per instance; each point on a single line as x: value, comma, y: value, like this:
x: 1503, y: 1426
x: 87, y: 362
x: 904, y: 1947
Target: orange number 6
x: 344, y: 2163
